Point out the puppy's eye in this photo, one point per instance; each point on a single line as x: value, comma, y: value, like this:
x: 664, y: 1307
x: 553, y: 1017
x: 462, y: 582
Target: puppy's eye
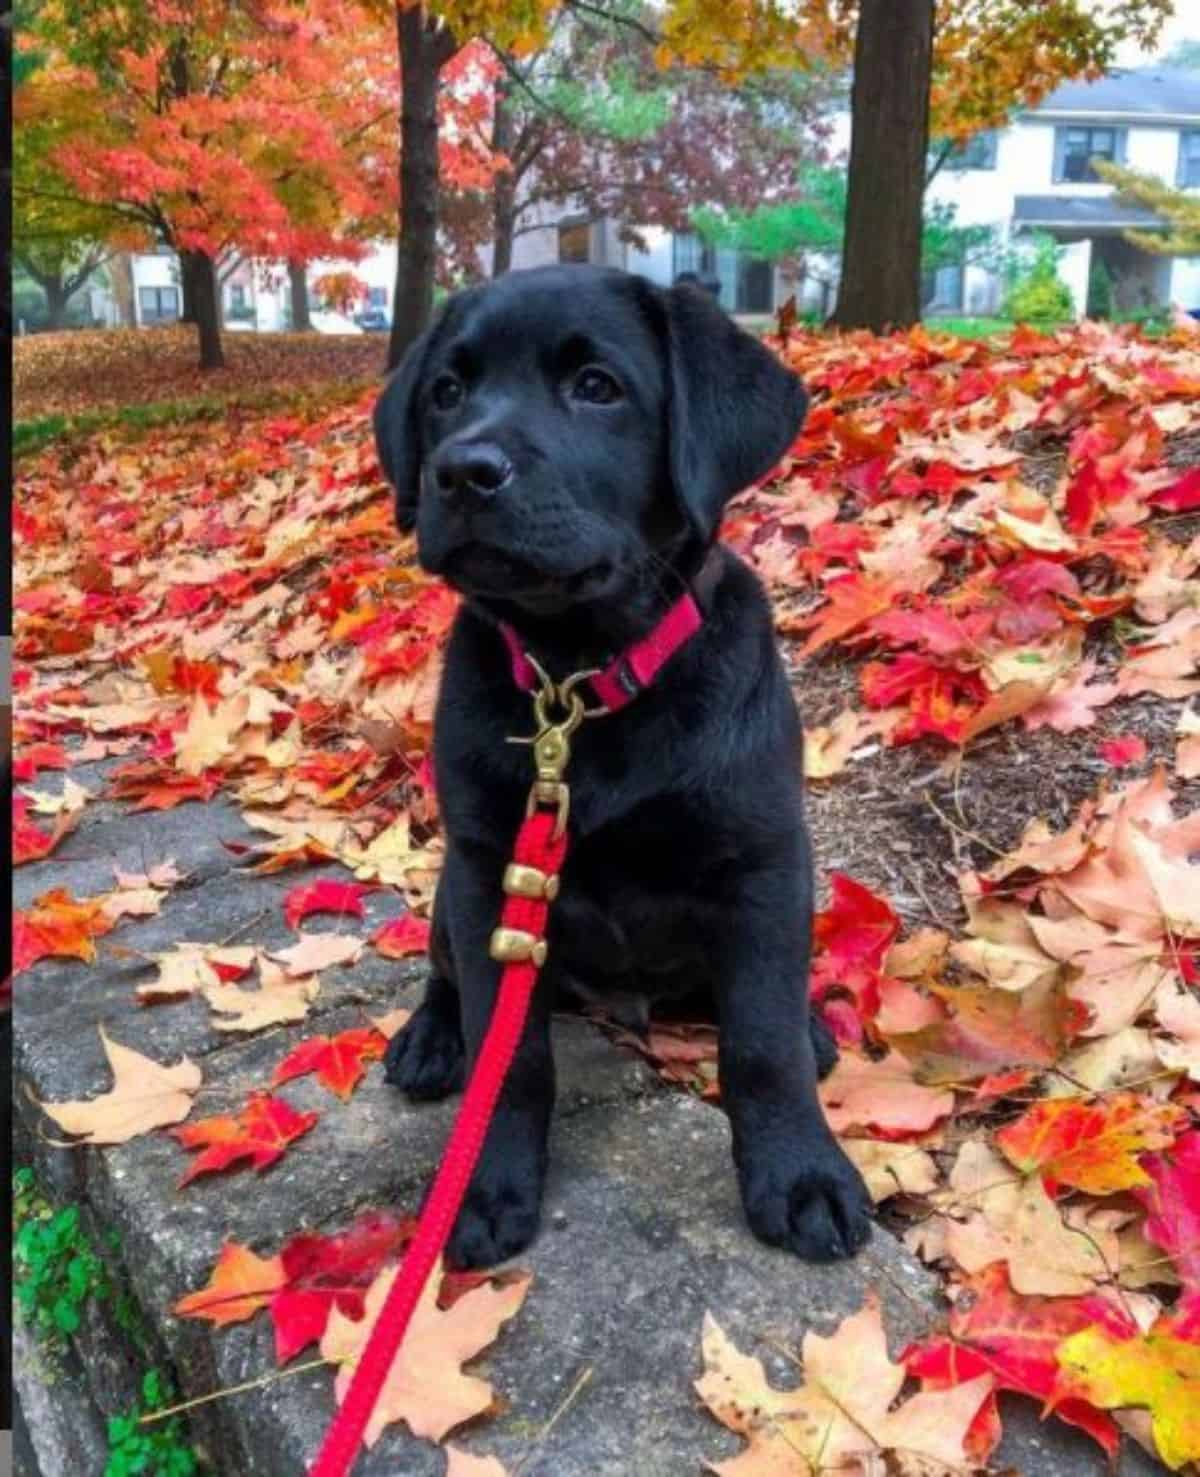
x: 596, y: 386
x: 447, y: 391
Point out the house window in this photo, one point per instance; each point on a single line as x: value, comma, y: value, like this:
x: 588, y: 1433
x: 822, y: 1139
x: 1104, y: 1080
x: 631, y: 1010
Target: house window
x: 1189, y: 160
x: 574, y: 243
x: 1075, y: 148
x: 237, y: 296
x: 377, y: 297
x: 690, y: 254
x: 979, y: 152
x: 159, y: 304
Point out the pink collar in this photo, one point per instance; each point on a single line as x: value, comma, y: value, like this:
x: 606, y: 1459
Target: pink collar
x: 638, y: 665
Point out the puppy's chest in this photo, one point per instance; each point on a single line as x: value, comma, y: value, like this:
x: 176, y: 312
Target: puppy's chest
x: 642, y: 899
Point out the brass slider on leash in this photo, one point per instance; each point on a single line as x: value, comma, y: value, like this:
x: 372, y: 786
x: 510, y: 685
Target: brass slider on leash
x: 515, y: 946
x: 520, y: 881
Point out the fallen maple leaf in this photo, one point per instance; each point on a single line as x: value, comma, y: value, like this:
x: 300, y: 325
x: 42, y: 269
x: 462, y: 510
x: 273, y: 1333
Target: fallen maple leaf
x: 1187, y: 750
x: 1179, y: 1012
x: 59, y: 926
x: 992, y: 1215
x: 338, y: 1061
x: 864, y: 1095
x: 1014, y: 1338
x: 1172, y: 1202
x: 325, y: 896
x: 988, y: 1030
x: 261, y: 1132
x: 29, y: 843
x: 891, y: 1168
x: 276, y: 1002
x: 326, y: 1271
x: 317, y: 951
x: 843, y: 1417
x: 461, y: 1463
x: 191, y: 969
x: 1129, y: 749
x: 1158, y: 1371
x: 144, y: 1095
x: 399, y: 938
x: 241, y: 1283
x: 1091, y: 1146
x: 426, y: 1386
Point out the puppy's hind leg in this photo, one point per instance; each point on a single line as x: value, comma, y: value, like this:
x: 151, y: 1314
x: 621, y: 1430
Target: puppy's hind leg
x: 425, y: 1058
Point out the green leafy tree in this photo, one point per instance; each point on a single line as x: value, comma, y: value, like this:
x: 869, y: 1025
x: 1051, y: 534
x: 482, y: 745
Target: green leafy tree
x: 793, y: 232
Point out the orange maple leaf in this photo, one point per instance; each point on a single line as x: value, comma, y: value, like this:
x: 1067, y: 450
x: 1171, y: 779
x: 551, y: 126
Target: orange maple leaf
x: 261, y: 1132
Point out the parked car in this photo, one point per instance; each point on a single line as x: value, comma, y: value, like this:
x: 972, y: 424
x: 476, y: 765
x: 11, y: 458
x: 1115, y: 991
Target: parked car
x: 373, y: 320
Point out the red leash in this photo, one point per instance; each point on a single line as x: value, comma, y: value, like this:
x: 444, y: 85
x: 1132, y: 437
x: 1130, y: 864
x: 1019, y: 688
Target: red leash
x: 530, y: 885
x: 536, y: 848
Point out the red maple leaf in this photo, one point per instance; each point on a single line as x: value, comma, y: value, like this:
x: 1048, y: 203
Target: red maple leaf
x: 324, y: 1271
x: 326, y: 896
x: 338, y: 1061
x: 38, y: 756
x: 402, y: 936
x: 1182, y: 496
x: 1014, y: 1338
x: 1122, y: 751
x: 1173, y: 1217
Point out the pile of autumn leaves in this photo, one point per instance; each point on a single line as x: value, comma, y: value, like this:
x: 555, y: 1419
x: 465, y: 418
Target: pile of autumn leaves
x: 233, y: 611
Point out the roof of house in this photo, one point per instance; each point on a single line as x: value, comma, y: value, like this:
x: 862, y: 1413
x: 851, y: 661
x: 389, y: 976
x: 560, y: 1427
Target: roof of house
x: 1080, y: 210
x: 1153, y: 91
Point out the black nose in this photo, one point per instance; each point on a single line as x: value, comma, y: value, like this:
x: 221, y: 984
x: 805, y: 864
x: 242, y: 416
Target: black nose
x: 472, y: 471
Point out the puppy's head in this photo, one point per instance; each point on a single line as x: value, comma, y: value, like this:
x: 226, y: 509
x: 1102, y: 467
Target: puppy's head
x: 557, y: 433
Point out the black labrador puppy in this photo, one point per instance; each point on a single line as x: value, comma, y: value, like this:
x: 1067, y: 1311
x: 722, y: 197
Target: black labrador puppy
x: 564, y: 441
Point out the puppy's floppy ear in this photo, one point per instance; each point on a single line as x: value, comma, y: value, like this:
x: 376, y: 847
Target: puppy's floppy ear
x: 397, y: 431
x: 733, y: 408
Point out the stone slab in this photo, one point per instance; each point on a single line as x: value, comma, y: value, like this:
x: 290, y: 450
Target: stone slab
x: 643, y: 1229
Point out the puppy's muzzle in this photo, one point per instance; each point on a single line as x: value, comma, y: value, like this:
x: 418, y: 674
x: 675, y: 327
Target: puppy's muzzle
x: 468, y: 475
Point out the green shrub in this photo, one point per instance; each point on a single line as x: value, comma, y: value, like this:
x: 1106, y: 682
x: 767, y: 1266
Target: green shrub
x: 1100, y: 302
x: 1036, y: 293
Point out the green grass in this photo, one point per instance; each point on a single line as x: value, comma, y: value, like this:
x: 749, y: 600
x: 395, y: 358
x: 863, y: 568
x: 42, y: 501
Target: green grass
x: 32, y: 436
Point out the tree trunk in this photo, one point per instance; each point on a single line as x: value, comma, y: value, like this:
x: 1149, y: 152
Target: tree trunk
x: 424, y: 50
x: 187, y: 287
x: 889, y: 136
x: 298, y: 281
x: 120, y: 277
x: 206, y: 302
x: 56, y: 301
x: 504, y: 186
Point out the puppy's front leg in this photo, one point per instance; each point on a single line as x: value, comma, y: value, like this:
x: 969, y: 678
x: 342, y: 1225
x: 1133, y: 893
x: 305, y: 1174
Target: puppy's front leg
x: 799, y: 1189
x: 500, y: 1214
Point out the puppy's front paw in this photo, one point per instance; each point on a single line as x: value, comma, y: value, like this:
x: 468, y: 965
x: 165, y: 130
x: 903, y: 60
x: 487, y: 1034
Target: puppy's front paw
x: 425, y: 1057
x: 808, y: 1199
x: 500, y: 1215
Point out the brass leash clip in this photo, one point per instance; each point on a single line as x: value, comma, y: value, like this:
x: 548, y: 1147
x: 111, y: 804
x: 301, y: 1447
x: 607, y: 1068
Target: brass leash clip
x: 552, y: 741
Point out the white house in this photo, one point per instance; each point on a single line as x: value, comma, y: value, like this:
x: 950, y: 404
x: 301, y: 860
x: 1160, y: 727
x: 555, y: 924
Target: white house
x: 1035, y: 174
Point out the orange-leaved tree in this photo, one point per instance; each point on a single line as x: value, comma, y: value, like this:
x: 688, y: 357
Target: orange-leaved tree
x: 263, y: 130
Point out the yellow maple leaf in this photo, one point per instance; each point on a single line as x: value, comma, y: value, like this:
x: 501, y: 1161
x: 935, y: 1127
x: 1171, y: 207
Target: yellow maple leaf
x: 1156, y: 1371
